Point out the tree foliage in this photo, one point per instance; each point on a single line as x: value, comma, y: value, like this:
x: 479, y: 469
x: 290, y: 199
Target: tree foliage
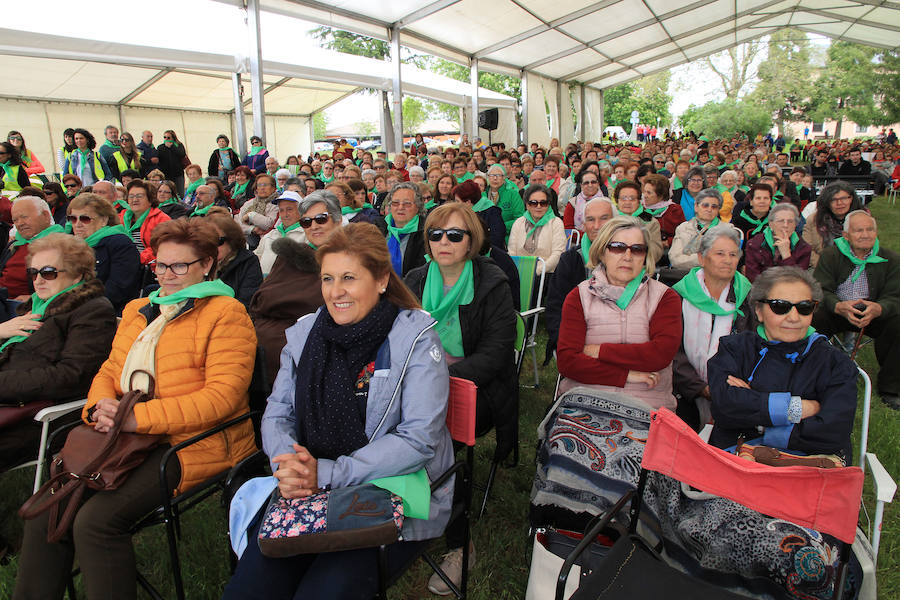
x: 415, y: 112
x: 649, y: 96
x: 726, y: 118
x: 735, y: 67
x: 847, y: 87
x: 320, y: 125
x: 351, y: 43
x: 785, y: 85
x: 887, y: 86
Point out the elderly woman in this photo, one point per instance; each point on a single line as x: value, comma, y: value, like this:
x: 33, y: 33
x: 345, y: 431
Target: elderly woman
x: 539, y: 232
x: 235, y: 265
x: 320, y: 216
x: 372, y: 404
x: 778, y: 245
x: 289, y: 213
x: 621, y: 328
x: 223, y: 159
x: 142, y: 217
x: 352, y: 207
x: 504, y: 194
x: 199, y: 344
x: 714, y: 304
x: 573, y: 264
x: 655, y: 200
x: 468, y: 296
x: 50, y: 352
x: 686, y: 196
x: 117, y: 261
x: 826, y: 224
x: 257, y: 216
x: 242, y: 189
x: 783, y: 377
x: 168, y: 202
x: 728, y: 183
x: 628, y: 204
x: 405, y: 239
x: 683, y: 253
x: 195, y: 179
x: 752, y: 215
x: 573, y: 217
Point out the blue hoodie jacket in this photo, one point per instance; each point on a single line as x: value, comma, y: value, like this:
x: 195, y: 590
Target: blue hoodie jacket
x: 406, y: 415
x: 811, y: 368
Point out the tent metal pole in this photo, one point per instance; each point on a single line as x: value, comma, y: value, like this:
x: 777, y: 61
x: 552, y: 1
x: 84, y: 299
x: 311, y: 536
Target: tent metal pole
x: 121, y: 112
x: 256, y: 75
x: 600, y: 116
x: 397, y: 100
x: 312, y: 135
x: 473, y: 76
x: 563, y: 135
x: 240, y: 122
x: 524, y: 92
x: 583, y: 119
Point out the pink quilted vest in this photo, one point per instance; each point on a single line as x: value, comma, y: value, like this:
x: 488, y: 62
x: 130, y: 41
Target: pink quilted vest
x: 608, y: 324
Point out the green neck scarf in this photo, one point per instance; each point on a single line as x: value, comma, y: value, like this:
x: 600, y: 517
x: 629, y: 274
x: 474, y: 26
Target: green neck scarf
x: 630, y: 290
x: 225, y: 149
x: 21, y: 241
x: 761, y: 332
x: 104, y: 232
x: 430, y: 204
x: 202, y: 212
x: 38, y: 307
x: 677, y: 185
x: 770, y: 239
x: 286, y: 230
x: 368, y: 205
x: 636, y: 214
x: 396, y: 232
x: 349, y: 210
x: 548, y: 216
x: 204, y: 289
x: 690, y: 289
x: 254, y: 150
x: 585, y: 249
x: 656, y: 212
x: 483, y: 204
x: 172, y: 200
x: 326, y: 180
x: 239, y: 188
x: 445, y: 308
x: 311, y: 245
x: 843, y: 247
x: 122, y: 204
x: 130, y: 224
x: 109, y: 144
x: 760, y: 223
x: 192, y: 187
x: 7, y: 170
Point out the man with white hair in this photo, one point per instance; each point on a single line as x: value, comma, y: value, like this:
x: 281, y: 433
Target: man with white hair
x: 107, y: 191
x: 861, y: 283
x: 33, y: 220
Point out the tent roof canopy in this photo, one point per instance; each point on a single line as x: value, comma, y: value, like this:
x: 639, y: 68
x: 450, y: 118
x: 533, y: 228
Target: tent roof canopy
x: 39, y: 66
x: 600, y: 43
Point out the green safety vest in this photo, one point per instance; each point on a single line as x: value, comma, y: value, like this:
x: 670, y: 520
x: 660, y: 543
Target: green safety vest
x: 99, y: 175
x: 124, y: 165
x: 11, y: 184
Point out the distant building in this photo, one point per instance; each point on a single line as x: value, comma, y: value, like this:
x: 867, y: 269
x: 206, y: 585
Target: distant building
x: 826, y: 129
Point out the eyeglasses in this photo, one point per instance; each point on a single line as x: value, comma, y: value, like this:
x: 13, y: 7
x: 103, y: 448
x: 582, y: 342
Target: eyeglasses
x: 406, y: 204
x: 48, y: 273
x: 180, y: 268
x: 83, y: 219
x: 538, y: 203
x: 453, y: 234
x: 137, y: 196
x: 622, y: 247
x: 321, y: 219
x: 783, y: 307
x: 695, y: 180
x: 589, y: 182
x: 708, y: 205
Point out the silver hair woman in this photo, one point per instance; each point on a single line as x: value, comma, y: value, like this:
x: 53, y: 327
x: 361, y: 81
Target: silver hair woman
x: 778, y: 245
x: 714, y: 304
x: 683, y: 253
x: 320, y: 215
x: 406, y: 216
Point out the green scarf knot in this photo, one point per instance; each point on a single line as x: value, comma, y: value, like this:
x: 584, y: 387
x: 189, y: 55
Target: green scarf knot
x: 286, y: 230
x: 38, y: 307
x: 483, y: 204
x: 104, y: 232
x: 21, y: 241
x: 843, y: 247
x: 202, y: 212
x: 548, y: 216
x: 349, y: 210
x: 396, y: 232
x: 769, y: 238
x: 585, y: 249
x: 130, y: 224
x: 656, y: 212
x: 204, y: 289
x: 239, y: 188
x: 630, y: 290
x: 690, y: 289
x: 445, y: 308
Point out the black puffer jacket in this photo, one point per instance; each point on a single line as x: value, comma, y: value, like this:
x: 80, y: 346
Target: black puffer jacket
x: 59, y: 360
x: 488, y: 327
x: 244, y: 275
x: 118, y: 266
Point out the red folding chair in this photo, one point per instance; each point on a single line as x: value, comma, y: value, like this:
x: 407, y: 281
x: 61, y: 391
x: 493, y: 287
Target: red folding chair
x: 826, y: 500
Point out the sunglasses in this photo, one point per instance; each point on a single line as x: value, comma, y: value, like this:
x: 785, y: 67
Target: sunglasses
x: 321, y: 219
x: 454, y: 235
x: 783, y: 307
x: 538, y: 203
x: 68, y: 185
x: 222, y: 239
x: 83, y: 219
x: 48, y: 273
x: 622, y: 247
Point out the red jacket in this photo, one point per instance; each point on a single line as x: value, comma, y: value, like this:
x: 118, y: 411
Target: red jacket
x: 669, y: 221
x: 155, y: 217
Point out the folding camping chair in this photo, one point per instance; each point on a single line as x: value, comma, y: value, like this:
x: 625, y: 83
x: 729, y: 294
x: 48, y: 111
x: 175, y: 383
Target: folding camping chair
x: 46, y: 417
x: 530, y: 301
x: 825, y: 500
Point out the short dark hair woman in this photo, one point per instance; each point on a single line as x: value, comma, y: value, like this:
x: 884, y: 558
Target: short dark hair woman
x: 236, y: 266
x: 361, y: 393
x: 199, y: 344
x: 142, y: 217
x: 172, y: 156
x: 836, y: 200
x: 223, y: 159
x: 783, y: 377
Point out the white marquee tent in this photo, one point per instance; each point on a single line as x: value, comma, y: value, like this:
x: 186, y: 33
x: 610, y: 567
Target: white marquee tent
x: 566, y: 52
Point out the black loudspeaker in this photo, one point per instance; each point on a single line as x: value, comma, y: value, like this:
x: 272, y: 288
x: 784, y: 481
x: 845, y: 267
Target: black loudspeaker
x: 488, y: 119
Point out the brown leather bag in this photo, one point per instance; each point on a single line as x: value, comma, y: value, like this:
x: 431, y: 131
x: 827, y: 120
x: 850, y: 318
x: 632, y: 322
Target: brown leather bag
x: 90, y: 459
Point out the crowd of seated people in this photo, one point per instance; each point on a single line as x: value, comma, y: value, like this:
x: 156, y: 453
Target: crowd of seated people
x: 324, y: 265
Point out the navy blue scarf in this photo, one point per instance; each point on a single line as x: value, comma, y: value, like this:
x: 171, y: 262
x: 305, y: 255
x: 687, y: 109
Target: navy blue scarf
x: 330, y: 420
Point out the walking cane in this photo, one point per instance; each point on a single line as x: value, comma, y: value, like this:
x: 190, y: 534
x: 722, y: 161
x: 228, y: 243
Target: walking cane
x: 857, y: 344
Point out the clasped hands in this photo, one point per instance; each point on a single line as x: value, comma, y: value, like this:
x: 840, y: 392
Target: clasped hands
x: 105, y: 415
x: 297, y: 473
x: 856, y: 317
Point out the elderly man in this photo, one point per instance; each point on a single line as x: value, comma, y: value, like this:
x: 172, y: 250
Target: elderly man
x: 107, y: 191
x: 205, y: 200
x: 271, y: 165
x: 148, y: 150
x: 32, y: 219
x: 288, y: 225
x: 111, y: 145
x: 861, y: 282
x: 573, y: 265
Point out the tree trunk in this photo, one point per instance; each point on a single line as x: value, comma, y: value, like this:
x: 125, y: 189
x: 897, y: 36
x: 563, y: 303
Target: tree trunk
x: 840, y: 121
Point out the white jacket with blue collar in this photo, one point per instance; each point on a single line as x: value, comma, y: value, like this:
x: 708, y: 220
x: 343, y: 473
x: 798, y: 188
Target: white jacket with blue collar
x: 406, y: 415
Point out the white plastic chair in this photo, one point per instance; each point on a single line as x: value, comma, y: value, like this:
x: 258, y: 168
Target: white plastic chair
x: 46, y: 417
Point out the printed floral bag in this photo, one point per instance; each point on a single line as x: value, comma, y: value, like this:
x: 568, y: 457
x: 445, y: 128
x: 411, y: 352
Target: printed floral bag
x: 361, y: 516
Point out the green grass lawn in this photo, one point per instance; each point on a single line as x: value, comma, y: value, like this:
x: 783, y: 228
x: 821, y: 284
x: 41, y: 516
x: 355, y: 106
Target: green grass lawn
x: 501, y: 537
